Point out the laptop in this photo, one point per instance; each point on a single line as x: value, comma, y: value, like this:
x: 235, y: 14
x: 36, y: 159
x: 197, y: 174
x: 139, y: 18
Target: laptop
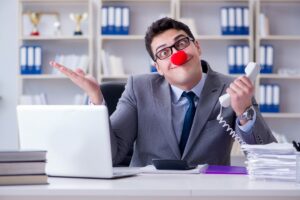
x: 77, y: 139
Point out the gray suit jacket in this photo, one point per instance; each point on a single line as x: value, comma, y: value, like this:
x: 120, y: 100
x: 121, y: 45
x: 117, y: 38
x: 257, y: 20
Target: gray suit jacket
x: 143, y: 119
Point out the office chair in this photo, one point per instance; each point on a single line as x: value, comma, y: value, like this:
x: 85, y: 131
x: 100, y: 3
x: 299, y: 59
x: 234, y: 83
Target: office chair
x: 112, y: 91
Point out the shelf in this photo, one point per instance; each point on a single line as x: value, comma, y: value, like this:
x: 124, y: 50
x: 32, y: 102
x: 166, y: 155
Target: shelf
x: 122, y: 37
x: 217, y: 1
x: 54, y: 1
x: 222, y: 37
x: 278, y: 76
x: 54, y: 38
x: 43, y: 76
x: 114, y: 76
x: 281, y: 115
x: 280, y: 37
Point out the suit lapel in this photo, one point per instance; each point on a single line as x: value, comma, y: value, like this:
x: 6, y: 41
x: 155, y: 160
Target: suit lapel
x: 208, y: 98
x: 162, y: 98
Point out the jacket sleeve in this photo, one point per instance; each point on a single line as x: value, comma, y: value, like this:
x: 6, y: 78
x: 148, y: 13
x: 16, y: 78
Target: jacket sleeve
x: 124, y: 124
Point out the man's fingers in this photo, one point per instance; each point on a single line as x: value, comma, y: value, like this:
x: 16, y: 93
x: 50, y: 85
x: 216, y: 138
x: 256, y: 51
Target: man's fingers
x: 80, y: 72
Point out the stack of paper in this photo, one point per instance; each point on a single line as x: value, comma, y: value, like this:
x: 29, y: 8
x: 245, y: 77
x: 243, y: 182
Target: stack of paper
x: 271, y: 161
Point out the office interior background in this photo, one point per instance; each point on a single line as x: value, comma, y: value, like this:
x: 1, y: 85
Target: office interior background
x: 264, y: 31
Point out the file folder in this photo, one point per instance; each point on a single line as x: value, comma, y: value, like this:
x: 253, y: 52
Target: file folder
x: 30, y: 57
x: 239, y: 60
x: 118, y: 20
x: 104, y: 20
x: 269, y: 98
x: 239, y: 21
x: 231, y: 22
x: 37, y: 60
x: 111, y: 20
x: 262, y: 98
x: 276, y: 98
x: 262, y: 57
x: 245, y: 56
x: 23, y: 60
x: 231, y: 59
x: 245, y: 26
x: 221, y: 169
x: 269, y: 59
x: 125, y: 21
x: 224, y: 21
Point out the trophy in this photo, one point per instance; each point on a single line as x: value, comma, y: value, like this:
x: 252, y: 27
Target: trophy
x: 35, y: 18
x: 78, y: 18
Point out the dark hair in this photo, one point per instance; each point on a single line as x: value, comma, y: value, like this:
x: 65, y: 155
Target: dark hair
x: 161, y: 26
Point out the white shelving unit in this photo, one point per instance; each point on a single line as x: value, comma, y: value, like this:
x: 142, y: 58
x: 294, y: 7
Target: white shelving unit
x: 284, y: 36
x: 65, y: 43
x: 206, y: 14
x: 131, y: 47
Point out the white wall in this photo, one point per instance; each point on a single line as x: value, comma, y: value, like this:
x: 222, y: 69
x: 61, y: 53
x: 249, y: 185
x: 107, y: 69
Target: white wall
x: 8, y: 80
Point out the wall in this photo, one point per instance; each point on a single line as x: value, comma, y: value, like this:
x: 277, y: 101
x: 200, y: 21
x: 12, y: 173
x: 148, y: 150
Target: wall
x: 8, y: 80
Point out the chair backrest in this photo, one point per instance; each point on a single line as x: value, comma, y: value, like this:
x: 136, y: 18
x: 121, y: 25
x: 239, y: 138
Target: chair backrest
x: 112, y: 91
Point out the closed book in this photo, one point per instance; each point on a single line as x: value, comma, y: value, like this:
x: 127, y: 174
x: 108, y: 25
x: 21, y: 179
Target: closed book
x: 17, y: 156
x: 22, y: 168
x: 24, y: 180
x: 224, y: 21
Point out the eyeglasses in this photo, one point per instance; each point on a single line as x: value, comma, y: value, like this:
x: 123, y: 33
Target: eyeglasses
x: 179, y: 45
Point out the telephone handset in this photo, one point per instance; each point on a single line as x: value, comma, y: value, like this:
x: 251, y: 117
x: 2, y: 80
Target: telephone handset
x: 251, y: 70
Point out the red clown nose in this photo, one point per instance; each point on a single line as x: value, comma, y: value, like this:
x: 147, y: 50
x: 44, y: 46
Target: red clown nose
x: 179, y: 58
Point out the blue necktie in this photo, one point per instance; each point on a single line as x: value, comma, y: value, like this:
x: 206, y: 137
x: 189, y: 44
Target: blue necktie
x: 188, y: 120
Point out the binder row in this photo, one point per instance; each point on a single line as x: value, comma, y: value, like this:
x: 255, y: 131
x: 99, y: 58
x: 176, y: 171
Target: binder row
x: 269, y: 98
x: 30, y: 59
x: 237, y: 58
x: 266, y: 58
x: 234, y: 21
x: 115, y: 20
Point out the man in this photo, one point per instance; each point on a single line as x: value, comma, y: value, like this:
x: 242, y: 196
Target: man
x: 172, y: 114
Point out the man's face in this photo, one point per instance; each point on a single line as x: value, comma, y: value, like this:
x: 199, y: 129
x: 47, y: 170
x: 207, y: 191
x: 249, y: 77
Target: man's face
x: 186, y: 75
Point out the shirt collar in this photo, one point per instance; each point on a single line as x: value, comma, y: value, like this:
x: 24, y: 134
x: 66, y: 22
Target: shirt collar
x: 177, y: 92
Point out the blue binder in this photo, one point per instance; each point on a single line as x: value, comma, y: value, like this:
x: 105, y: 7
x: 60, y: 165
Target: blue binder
x: 245, y: 26
x: 276, y: 98
x: 118, y: 21
x: 37, y: 69
x: 23, y: 59
x: 269, y: 59
x: 125, y: 21
x: 104, y: 20
x: 111, y: 20
x: 262, y: 98
x: 224, y: 21
x: 231, y: 60
x: 262, y: 58
x: 239, y: 20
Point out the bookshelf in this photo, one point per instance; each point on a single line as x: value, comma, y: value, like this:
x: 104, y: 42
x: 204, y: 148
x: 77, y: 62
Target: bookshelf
x: 131, y: 47
x: 54, y: 43
x: 284, y: 35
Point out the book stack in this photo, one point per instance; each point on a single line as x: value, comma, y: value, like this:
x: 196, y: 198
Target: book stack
x: 271, y: 161
x: 23, y: 167
x: 234, y: 20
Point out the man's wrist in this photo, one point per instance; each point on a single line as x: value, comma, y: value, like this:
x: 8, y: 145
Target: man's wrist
x: 246, y: 115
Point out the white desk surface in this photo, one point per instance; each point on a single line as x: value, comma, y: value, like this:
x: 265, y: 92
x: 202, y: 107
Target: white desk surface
x: 160, y: 186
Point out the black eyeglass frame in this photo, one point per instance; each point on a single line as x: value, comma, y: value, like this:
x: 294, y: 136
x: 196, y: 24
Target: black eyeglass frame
x: 174, y: 45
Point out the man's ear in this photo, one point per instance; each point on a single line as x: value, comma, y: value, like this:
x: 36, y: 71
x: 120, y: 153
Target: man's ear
x: 197, y: 44
x: 158, y: 69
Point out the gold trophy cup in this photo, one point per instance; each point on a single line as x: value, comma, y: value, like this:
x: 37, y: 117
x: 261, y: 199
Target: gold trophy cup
x: 78, y: 18
x: 35, y: 18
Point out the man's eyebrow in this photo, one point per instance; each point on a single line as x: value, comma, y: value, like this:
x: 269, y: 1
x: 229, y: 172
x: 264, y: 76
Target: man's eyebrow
x: 176, y: 38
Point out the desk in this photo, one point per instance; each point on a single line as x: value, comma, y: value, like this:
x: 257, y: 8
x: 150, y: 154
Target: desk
x: 156, y: 186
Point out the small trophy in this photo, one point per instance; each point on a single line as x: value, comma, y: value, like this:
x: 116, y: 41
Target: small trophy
x: 78, y: 18
x: 35, y: 18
